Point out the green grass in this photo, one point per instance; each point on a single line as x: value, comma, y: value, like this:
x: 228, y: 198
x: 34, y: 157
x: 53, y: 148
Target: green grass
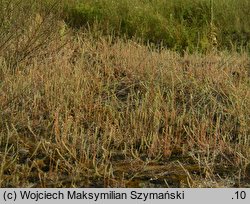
x: 178, y: 24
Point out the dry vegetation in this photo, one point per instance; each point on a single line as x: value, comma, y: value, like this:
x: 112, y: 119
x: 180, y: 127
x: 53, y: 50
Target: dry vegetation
x: 79, y: 109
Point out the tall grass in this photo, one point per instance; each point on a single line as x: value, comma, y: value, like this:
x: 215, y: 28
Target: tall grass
x: 178, y: 24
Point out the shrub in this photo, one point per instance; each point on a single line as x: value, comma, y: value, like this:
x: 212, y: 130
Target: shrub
x: 26, y: 28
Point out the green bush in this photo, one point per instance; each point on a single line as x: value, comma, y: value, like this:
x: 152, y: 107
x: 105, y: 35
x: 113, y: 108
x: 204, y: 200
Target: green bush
x: 177, y: 24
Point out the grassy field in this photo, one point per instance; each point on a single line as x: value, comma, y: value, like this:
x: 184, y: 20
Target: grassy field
x: 105, y: 94
x: 177, y: 24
